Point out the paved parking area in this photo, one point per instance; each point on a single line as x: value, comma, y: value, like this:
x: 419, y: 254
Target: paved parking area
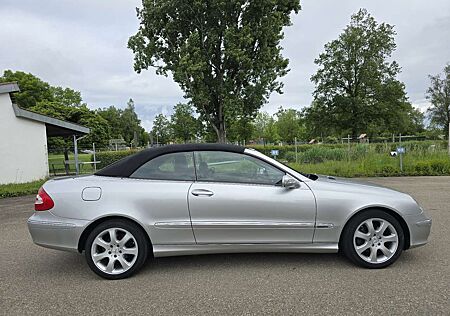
x: 34, y: 280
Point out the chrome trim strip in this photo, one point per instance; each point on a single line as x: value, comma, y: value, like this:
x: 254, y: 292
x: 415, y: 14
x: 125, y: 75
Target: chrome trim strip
x: 46, y: 224
x: 251, y: 224
x: 175, y: 224
x: 324, y: 225
x: 180, y: 250
x: 426, y: 222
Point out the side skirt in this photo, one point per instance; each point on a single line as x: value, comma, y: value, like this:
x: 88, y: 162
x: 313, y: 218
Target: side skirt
x: 182, y: 250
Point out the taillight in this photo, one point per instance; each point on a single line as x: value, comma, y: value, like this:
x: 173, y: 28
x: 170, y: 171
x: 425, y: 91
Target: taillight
x: 43, y: 201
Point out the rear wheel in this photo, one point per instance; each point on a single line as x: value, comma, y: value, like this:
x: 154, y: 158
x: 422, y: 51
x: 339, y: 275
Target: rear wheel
x: 116, y: 249
x: 373, y: 239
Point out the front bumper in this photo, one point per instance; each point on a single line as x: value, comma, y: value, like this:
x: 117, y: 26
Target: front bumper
x: 419, y: 229
x: 48, y: 230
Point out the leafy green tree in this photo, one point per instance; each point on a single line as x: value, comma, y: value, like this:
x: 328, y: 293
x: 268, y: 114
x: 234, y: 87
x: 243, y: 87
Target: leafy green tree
x: 240, y: 129
x: 66, y: 96
x: 289, y: 125
x: 184, y: 125
x: 162, y: 130
x: 224, y: 54
x: 32, y: 89
x: 130, y: 124
x: 125, y: 124
x: 356, y: 86
x: 113, y: 116
x: 264, y: 128
x: 439, y: 95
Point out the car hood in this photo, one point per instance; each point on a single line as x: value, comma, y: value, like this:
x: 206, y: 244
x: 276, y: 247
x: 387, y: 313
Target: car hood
x: 357, y: 186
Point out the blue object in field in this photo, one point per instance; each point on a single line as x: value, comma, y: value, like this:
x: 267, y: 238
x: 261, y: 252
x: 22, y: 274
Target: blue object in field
x: 274, y: 152
x: 401, y: 150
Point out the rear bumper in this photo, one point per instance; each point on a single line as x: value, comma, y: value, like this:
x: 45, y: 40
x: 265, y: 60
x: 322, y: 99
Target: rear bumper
x: 419, y: 228
x: 50, y: 231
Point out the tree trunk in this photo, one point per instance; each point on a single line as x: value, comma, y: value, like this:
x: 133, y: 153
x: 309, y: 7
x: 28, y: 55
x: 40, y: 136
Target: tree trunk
x: 221, y: 133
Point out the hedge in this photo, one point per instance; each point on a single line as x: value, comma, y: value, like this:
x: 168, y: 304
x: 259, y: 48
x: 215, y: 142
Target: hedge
x: 108, y: 157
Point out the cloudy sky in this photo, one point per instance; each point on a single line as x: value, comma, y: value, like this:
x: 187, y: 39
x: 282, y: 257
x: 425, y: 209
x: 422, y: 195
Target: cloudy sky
x: 82, y: 44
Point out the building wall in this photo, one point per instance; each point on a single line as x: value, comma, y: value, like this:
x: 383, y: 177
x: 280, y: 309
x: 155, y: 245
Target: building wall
x: 23, y: 146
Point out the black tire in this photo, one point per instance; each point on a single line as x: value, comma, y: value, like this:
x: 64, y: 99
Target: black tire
x: 141, y: 242
x: 347, y: 238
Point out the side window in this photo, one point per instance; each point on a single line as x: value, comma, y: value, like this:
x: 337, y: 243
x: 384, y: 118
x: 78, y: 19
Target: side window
x: 176, y: 166
x: 219, y: 166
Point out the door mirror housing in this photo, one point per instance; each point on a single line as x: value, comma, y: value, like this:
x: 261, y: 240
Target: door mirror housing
x: 289, y: 183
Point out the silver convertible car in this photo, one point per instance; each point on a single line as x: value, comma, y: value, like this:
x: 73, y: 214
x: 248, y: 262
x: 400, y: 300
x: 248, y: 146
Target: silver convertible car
x: 212, y: 198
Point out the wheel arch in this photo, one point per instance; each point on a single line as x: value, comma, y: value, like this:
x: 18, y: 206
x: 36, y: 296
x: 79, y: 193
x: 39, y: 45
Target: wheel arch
x: 389, y: 211
x: 84, y: 235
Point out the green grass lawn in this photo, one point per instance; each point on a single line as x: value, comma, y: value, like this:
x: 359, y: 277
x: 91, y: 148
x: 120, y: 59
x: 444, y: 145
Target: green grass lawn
x: 18, y: 189
x: 56, y: 163
x: 380, y: 164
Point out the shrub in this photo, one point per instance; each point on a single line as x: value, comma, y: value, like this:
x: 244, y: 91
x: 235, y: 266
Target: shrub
x: 108, y: 157
x: 423, y: 168
x: 440, y: 166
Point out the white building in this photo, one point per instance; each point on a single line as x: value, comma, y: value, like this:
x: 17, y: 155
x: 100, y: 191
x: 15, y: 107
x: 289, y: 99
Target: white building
x: 23, y: 139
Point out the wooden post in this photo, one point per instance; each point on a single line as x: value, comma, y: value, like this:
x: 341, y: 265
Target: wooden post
x: 95, y: 160
x: 296, y: 157
x: 75, y: 152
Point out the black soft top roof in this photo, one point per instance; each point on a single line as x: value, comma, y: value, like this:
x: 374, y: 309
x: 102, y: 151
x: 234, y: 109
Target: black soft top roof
x: 126, y: 166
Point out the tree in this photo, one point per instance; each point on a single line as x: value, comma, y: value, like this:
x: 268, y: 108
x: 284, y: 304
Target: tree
x: 240, y: 129
x: 184, y: 124
x: 125, y: 124
x: 439, y: 95
x: 289, y: 125
x: 66, y: 96
x: 356, y: 87
x: 161, y: 131
x: 130, y: 124
x: 32, y: 89
x: 224, y: 54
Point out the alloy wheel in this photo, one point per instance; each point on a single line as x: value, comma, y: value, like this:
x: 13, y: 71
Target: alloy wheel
x: 114, y: 250
x: 375, y: 240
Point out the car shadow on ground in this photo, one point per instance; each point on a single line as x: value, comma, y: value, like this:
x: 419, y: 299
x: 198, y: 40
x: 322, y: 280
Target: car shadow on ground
x: 71, y: 265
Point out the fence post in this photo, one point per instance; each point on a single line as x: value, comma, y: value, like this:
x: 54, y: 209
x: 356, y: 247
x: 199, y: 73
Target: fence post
x: 95, y: 160
x: 348, y: 151
x: 75, y: 152
x: 401, y: 154
x: 296, y: 156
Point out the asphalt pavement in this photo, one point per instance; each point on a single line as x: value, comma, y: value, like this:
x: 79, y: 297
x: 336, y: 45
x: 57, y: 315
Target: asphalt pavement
x: 35, y: 280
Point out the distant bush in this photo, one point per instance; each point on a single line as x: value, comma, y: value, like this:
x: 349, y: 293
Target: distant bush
x: 108, y: 157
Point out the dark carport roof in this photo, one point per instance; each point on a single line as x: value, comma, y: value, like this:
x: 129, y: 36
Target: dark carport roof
x: 54, y: 127
x: 126, y: 166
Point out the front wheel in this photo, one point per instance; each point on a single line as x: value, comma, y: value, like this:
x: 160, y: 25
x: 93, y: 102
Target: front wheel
x: 373, y: 239
x: 116, y: 249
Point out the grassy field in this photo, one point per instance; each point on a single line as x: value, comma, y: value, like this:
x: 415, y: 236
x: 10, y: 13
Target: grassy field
x: 364, y: 160
x: 18, y: 189
x: 56, y: 163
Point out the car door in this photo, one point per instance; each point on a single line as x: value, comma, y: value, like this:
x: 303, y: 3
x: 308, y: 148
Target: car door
x: 238, y: 198
x: 159, y: 190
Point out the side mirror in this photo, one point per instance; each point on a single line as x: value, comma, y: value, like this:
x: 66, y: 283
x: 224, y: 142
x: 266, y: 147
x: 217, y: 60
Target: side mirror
x: 289, y: 183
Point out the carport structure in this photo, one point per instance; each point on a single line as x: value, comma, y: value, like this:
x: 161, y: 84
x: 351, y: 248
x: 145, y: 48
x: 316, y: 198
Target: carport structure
x: 23, y: 146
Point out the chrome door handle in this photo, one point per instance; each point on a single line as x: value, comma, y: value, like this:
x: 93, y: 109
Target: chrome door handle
x: 202, y: 192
